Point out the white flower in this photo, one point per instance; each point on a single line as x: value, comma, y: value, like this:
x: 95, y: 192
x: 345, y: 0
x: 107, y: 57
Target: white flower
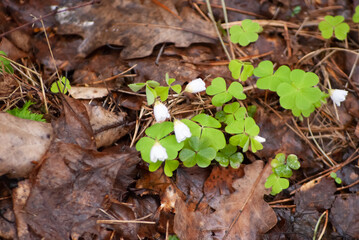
x: 260, y: 139
x: 160, y: 111
x: 158, y: 153
x: 195, y: 86
x: 338, y: 95
x: 181, y: 131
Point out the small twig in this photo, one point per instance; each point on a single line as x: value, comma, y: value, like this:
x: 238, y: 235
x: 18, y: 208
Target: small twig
x: 210, y: 13
x: 123, y: 221
x: 227, y: 30
x: 160, y: 53
x: 316, y: 143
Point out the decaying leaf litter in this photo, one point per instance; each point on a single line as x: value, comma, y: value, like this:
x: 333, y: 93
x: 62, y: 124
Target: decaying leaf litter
x: 77, y: 176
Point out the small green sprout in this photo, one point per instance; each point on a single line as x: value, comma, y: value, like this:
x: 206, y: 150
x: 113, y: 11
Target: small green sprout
x: 229, y: 155
x: 282, y: 169
x: 334, y: 24
x: 159, y: 132
x: 197, y: 152
x: 61, y: 86
x: 173, y: 237
x: 246, y: 131
x: 5, y: 64
x: 151, y: 94
x: 154, y: 90
x: 356, y: 15
x: 246, y: 33
x: 241, y: 70
x: 25, y: 113
x: 296, y: 10
x: 276, y: 183
x: 218, y: 88
x: 336, y: 179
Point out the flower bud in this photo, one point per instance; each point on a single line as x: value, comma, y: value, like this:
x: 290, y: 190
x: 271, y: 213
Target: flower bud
x: 195, y: 86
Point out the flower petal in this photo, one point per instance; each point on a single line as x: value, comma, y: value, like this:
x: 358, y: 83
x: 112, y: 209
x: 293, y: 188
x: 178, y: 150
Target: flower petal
x: 181, y: 131
x: 195, y: 86
x: 338, y: 95
x: 158, y: 153
x: 260, y: 139
x: 160, y: 111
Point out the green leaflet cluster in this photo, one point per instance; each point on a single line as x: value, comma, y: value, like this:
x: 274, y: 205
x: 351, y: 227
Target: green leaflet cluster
x: 25, y: 113
x: 153, y: 89
x: 282, y: 169
x: 296, y: 88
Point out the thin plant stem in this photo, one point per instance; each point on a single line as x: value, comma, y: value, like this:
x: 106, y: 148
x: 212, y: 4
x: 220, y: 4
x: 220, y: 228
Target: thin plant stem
x: 318, y: 224
x: 216, y: 28
x: 227, y: 30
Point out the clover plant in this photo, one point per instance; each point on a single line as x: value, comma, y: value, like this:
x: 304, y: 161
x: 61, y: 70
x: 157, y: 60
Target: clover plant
x: 356, y: 15
x: 61, y: 86
x: 282, y: 169
x: 218, y: 89
x: 297, y: 89
x: 5, y: 64
x: 335, y: 24
x: 160, y: 132
x: 153, y: 89
x: 229, y: 155
x: 198, y: 151
x: 336, y: 178
x: 246, y: 33
x: 240, y: 70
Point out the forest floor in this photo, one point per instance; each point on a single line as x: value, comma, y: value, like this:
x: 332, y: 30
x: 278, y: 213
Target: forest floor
x: 77, y: 174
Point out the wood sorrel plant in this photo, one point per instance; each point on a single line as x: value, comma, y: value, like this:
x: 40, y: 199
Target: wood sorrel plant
x: 204, y: 138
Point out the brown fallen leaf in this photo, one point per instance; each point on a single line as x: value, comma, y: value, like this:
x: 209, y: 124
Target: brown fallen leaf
x: 344, y: 215
x: 240, y: 215
x: 70, y: 186
x: 315, y: 195
x: 107, y: 126
x: 22, y: 143
x: 142, y: 25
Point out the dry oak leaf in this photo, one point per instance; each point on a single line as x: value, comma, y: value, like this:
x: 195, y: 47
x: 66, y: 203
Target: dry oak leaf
x: 135, y: 24
x: 240, y: 215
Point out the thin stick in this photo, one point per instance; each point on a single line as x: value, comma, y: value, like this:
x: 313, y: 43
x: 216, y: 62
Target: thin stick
x: 123, y: 221
x: 227, y: 31
x: 216, y: 28
x: 316, y: 143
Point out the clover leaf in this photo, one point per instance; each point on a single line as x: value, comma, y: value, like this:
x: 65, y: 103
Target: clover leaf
x: 233, y: 112
x: 336, y: 178
x: 268, y: 80
x: 292, y: 162
x: 218, y: 88
x: 159, y: 132
x: 334, y: 24
x: 246, y: 33
x: 356, y: 15
x: 241, y: 70
x: 197, y: 152
x: 162, y: 91
x: 299, y: 94
x: 276, y: 183
x: 5, y: 64
x: 229, y: 155
x: 150, y: 91
x: 246, y: 130
x: 61, y: 86
x: 207, y: 130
